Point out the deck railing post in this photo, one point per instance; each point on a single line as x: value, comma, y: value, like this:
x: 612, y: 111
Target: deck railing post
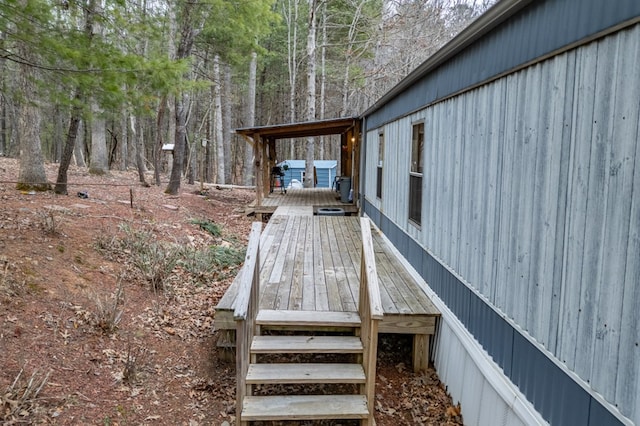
x: 370, y: 310
x: 245, y: 311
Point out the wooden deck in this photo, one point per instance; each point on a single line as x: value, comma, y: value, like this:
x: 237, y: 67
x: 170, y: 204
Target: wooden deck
x: 312, y: 263
x: 314, y: 197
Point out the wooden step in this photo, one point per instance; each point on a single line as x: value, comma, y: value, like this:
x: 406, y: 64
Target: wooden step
x: 306, y: 344
x: 305, y: 373
x: 267, y: 317
x: 304, y: 407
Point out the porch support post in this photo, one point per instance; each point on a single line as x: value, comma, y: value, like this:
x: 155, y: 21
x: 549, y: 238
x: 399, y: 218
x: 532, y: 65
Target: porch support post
x: 258, y: 155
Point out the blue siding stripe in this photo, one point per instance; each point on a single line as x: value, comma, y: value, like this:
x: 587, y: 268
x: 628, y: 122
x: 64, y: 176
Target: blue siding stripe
x: 556, y: 396
x: 536, y: 31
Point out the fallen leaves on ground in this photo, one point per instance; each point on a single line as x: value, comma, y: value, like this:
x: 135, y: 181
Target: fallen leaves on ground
x: 158, y: 365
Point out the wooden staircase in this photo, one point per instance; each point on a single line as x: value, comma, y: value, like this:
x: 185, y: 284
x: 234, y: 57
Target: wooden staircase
x: 305, y: 407
x: 320, y: 337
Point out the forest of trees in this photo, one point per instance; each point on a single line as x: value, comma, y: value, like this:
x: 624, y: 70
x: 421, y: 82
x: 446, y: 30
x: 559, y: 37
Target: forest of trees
x: 105, y: 84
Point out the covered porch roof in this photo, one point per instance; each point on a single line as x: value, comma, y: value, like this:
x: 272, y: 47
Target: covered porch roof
x: 263, y: 139
x: 335, y: 126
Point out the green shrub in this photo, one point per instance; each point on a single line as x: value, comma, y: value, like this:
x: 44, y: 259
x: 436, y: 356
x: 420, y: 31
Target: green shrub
x: 206, y: 225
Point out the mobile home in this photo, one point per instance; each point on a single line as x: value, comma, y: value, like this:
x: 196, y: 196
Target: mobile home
x: 506, y: 170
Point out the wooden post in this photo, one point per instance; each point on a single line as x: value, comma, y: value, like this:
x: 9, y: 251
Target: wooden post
x: 371, y: 313
x: 420, y: 352
x: 257, y: 153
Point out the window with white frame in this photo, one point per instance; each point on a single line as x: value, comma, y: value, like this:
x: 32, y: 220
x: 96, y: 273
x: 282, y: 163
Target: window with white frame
x: 415, y: 173
x: 380, y: 161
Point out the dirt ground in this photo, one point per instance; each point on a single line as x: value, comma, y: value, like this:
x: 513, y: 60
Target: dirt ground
x: 107, y: 308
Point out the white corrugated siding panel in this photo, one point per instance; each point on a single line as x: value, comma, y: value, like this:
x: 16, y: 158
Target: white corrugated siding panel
x: 532, y: 193
x: 620, y: 254
x: 482, y: 404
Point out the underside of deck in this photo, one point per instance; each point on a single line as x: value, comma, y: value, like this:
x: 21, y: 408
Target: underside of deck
x: 312, y: 263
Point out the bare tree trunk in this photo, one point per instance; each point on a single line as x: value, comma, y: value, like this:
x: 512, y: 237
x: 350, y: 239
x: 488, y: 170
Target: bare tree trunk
x: 171, y: 99
x: 32, y: 175
x: 179, y: 148
x: 192, y: 161
x: 210, y: 131
x: 357, y: 15
x: 188, y: 33
x: 124, y: 160
x: 4, y: 107
x: 226, y: 124
x: 99, y: 162
x: 4, y: 128
x: 78, y: 150
x: 292, y: 63
x: 323, y: 75
x: 57, y: 144
x: 309, y: 179
x: 138, y: 137
x: 157, y: 151
x: 69, y: 146
x: 218, y: 121
x: 251, y: 119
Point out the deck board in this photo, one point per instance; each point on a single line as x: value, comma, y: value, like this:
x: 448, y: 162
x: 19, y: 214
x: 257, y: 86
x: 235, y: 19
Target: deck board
x: 301, y: 201
x: 308, y: 296
x: 330, y: 273
x: 303, y: 197
x: 313, y: 263
x: 345, y: 270
x: 320, y: 283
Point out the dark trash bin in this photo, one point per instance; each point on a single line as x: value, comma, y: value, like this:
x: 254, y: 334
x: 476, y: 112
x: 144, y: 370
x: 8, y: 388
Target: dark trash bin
x: 345, y: 188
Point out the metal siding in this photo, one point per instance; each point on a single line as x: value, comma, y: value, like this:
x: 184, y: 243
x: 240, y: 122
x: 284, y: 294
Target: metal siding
x: 457, y: 296
x: 462, y: 300
x: 599, y: 416
x: 507, y: 210
x: 628, y: 374
x: 494, y: 333
x: 429, y: 271
x: 626, y: 130
x: 531, y: 189
x: 557, y: 280
x: 464, y: 196
x: 547, y: 198
x: 494, y: 139
x: 370, y: 211
x: 458, y: 363
x: 474, y: 385
x: 529, y: 235
x: 555, y: 395
x: 384, y: 225
x: 415, y: 254
x: 607, y: 246
x: 539, y: 29
x: 576, y: 207
x: 402, y: 242
x: 590, y: 291
x: 481, y: 403
x: 376, y: 216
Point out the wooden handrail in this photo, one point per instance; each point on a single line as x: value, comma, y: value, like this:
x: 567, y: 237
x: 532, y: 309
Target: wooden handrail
x: 371, y: 313
x: 245, y: 311
x: 246, y: 273
x: 369, y: 271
